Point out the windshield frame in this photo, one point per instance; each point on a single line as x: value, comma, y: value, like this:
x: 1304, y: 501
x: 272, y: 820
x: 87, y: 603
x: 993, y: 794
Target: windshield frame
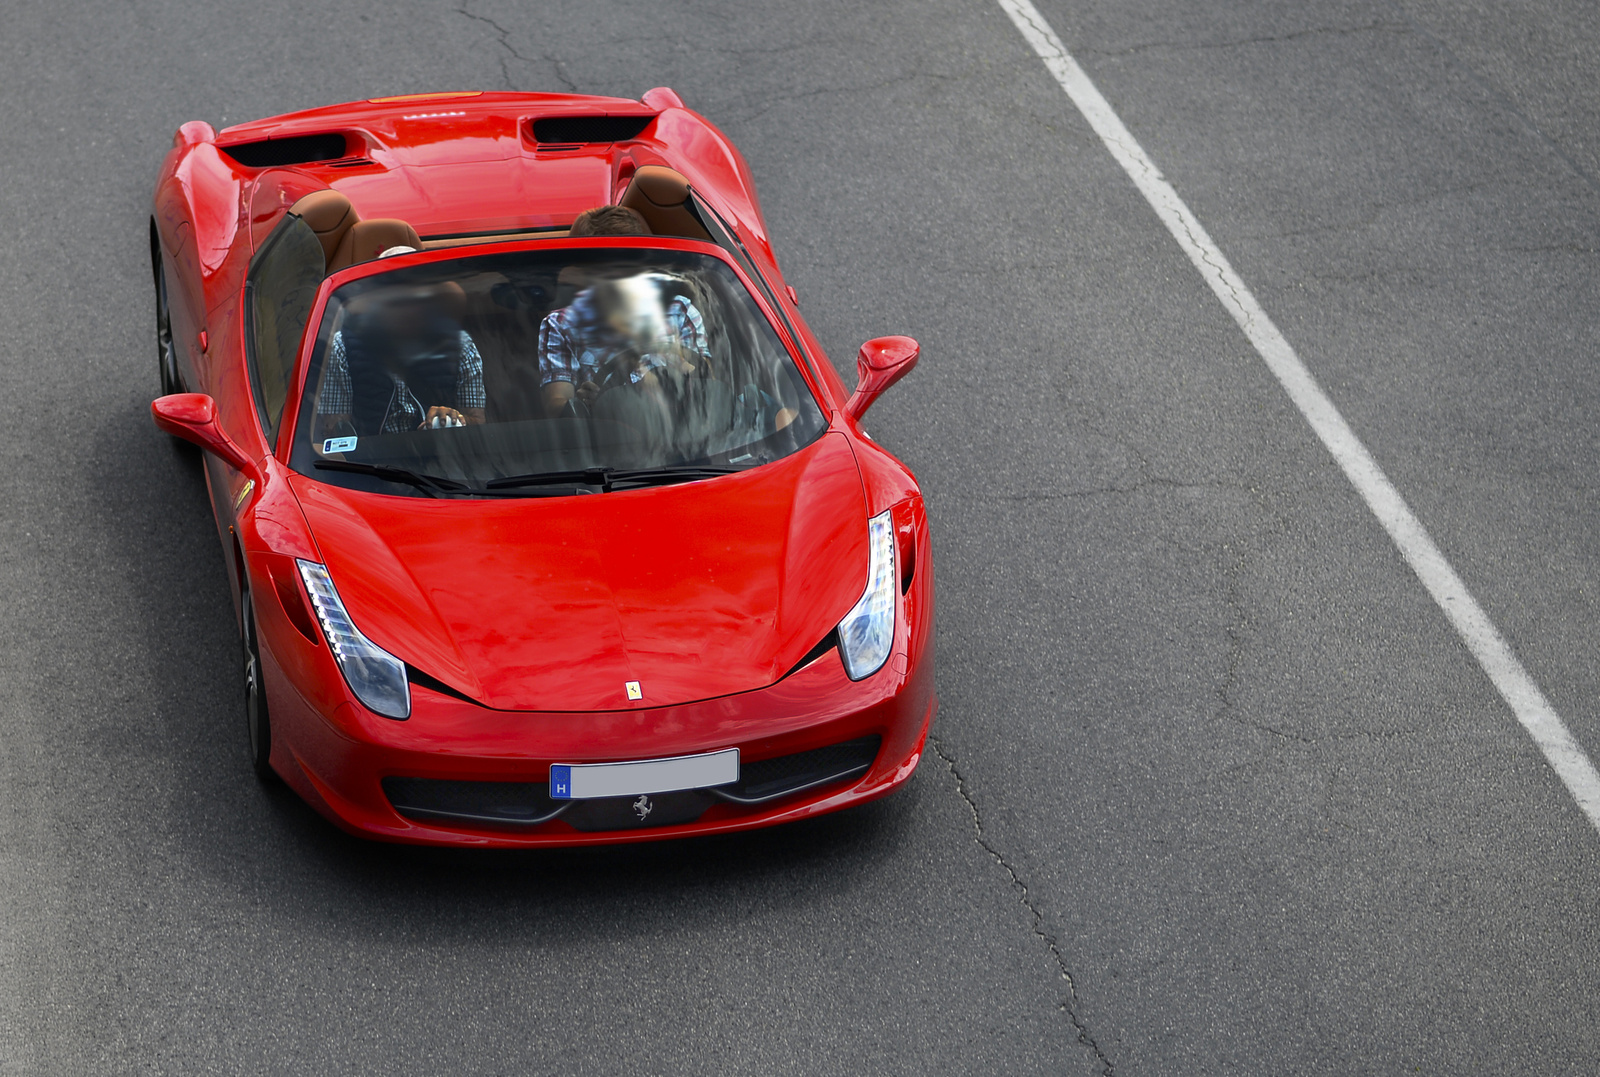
x: 714, y: 222
x: 788, y: 340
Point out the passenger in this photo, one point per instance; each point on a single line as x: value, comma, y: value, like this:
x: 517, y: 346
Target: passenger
x: 402, y: 366
x: 629, y: 329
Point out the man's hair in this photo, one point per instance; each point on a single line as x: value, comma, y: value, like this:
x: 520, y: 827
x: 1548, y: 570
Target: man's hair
x: 609, y: 221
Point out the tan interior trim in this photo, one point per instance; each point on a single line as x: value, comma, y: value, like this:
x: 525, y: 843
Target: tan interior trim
x: 502, y: 237
x: 661, y: 196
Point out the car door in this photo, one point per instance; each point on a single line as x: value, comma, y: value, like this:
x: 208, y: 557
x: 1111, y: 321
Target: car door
x: 280, y: 290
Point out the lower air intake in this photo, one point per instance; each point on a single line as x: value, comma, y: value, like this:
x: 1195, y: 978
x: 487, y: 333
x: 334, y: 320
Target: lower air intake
x: 786, y: 775
x: 527, y: 804
x: 478, y: 803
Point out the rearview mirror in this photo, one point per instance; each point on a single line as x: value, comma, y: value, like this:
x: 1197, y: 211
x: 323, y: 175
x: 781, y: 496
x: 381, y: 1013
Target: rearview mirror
x: 881, y: 362
x: 193, y: 417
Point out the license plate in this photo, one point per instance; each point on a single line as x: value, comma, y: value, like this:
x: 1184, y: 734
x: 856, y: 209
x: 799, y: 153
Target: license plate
x: 587, y: 781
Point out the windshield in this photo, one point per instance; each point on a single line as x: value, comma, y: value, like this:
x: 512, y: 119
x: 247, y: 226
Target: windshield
x: 544, y: 372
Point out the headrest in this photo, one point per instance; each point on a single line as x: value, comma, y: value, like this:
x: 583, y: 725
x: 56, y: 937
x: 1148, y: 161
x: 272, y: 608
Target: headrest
x: 452, y: 298
x: 330, y: 216
x: 365, y: 240
x: 447, y: 297
x: 661, y: 195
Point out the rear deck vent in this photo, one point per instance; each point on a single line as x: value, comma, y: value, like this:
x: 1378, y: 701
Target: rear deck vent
x: 298, y: 150
x: 580, y: 129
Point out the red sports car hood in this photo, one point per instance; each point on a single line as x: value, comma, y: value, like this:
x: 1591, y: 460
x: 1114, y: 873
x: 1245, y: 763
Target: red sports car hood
x: 555, y: 603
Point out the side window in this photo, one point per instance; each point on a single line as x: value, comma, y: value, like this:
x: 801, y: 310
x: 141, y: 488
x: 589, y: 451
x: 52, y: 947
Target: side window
x: 282, y: 287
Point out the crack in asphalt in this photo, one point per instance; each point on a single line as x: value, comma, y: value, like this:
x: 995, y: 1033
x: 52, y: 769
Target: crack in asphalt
x: 1372, y: 275
x: 1202, y: 244
x: 1264, y: 39
x: 1503, y: 96
x: 1235, y: 634
x: 1199, y: 242
x: 779, y: 50
x: 1374, y: 212
x: 504, y: 37
x: 1228, y: 709
x: 1069, y: 1004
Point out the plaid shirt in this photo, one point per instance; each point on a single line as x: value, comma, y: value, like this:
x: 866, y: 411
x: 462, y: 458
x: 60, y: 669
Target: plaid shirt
x: 574, y: 342
x: 405, y: 411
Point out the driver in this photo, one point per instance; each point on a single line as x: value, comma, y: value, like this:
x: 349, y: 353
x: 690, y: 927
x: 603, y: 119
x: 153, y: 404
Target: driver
x: 630, y: 327
x: 402, y: 365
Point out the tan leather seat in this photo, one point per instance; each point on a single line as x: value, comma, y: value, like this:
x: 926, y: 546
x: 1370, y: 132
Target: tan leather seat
x: 346, y: 239
x: 661, y: 195
x: 367, y: 239
x: 330, y: 216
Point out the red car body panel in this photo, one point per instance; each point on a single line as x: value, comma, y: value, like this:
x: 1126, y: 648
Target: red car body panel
x: 554, y: 603
x: 534, y: 612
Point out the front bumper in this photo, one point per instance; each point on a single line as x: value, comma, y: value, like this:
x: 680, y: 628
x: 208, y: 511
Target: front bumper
x: 338, y: 761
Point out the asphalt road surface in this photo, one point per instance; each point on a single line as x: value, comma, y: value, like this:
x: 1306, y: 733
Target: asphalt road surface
x: 1215, y: 789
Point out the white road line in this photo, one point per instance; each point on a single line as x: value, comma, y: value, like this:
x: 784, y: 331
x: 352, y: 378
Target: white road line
x: 1518, y: 689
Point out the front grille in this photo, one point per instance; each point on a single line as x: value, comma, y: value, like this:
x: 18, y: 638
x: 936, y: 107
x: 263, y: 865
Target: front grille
x: 527, y: 804
x: 770, y: 779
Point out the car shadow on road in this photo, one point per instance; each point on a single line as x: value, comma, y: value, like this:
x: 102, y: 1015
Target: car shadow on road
x: 823, y: 843
x: 569, y: 897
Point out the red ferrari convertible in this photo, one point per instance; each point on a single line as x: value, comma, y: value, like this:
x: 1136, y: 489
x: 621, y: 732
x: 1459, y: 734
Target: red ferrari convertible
x: 547, y: 520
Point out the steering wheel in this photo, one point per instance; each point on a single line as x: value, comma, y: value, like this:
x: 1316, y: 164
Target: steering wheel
x: 616, y: 371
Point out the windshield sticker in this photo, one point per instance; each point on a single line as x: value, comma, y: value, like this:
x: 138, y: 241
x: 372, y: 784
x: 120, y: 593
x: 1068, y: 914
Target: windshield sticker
x: 338, y: 445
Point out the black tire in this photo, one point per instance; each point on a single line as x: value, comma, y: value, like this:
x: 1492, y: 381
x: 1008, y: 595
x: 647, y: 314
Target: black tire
x: 166, y: 354
x: 257, y: 721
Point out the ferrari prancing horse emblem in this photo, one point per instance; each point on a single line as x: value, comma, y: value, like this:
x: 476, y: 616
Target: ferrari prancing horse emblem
x: 643, y: 807
x: 633, y: 690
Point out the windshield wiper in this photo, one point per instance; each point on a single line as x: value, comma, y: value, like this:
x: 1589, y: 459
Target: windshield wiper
x: 432, y: 485
x: 589, y: 476
x: 607, y: 478
x: 660, y: 476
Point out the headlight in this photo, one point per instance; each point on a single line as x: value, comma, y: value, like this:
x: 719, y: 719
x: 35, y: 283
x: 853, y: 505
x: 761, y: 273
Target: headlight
x: 867, y: 632
x: 377, y: 677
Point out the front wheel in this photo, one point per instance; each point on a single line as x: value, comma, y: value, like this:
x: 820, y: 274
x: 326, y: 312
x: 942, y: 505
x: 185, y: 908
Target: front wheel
x: 255, y: 694
x: 166, y: 355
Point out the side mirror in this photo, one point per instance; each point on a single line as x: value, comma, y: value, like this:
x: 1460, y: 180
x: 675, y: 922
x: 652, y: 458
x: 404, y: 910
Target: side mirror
x: 193, y: 417
x: 881, y: 362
